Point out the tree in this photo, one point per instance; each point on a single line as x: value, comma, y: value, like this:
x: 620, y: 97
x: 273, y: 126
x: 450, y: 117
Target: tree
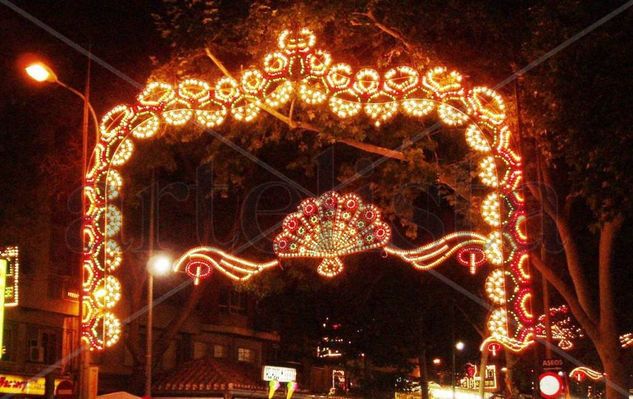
x: 580, y: 144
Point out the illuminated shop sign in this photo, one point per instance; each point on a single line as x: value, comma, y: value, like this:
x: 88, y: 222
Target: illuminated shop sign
x: 472, y: 380
x: 10, y: 254
x: 16, y: 384
x: 280, y: 374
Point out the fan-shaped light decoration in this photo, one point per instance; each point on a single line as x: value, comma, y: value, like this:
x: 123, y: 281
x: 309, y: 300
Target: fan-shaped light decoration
x: 329, y: 227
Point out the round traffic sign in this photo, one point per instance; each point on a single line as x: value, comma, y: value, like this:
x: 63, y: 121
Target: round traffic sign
x: 550, y: 385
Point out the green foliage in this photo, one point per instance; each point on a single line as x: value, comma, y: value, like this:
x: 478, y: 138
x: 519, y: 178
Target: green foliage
x: 186, y: 20
x: 577, y: 104
x: 243, y: 32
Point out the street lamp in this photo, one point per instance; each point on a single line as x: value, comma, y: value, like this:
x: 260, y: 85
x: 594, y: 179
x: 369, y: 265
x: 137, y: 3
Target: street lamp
x: 459, y: 345
x: 157, y: 265
x: 437, y: 361
x: 40, y: 72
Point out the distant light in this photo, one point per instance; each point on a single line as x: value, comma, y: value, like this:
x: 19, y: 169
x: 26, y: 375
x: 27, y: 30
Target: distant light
x: 159, y: 265
x: 437, y: 361
x: 72, y: 294
x: 460, y: 346
x: 439, y: 392
x: 504, y: 369
x: 40, y: 72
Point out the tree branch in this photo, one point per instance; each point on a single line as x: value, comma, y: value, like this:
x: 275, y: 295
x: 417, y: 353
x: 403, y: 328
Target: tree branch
x: 135, y: 295
x: 574, y: 265
x: 261, y: 105
x: 169, y: 333
x: 570, y: 246
x: 534, y: 191
x: 567, y: 292
x: 291, y: 112
x: 608, y: 234
x: 474, y: 325
x: 389, y: 31
x: 370, y: 148
x: 218, y: 63
x: 374, y: 149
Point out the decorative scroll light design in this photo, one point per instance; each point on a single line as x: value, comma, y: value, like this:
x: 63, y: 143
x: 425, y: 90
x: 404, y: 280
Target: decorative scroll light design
x: 201, y: 261
x: 329, y: 227
x: 579, y: 374
x: 299, y: 70
x: 564, y: 329
x: 435, y: 253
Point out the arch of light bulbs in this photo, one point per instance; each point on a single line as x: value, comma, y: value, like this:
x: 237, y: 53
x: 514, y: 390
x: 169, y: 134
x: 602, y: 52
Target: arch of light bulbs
x: 299, y: 70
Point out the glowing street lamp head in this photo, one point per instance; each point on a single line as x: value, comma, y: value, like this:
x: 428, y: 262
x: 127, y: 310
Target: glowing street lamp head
x: 159, y: 265
x: 40, y: 72
x: 460, y: 346
x: 437, y: 361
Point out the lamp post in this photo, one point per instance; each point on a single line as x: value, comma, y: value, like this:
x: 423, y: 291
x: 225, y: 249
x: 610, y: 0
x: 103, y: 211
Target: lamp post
x: 158, y: 265
x: 459, y: 345
x: 42, y: 73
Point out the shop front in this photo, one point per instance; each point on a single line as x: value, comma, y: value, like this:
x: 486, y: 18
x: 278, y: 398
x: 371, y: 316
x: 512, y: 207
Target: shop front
x: 18, y: 386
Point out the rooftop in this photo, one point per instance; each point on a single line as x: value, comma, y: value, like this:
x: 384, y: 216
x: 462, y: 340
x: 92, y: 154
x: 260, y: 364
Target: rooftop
x: 210, y: 374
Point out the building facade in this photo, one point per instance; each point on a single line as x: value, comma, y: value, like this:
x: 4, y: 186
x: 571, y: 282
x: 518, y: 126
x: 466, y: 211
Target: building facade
x: 40, y: 336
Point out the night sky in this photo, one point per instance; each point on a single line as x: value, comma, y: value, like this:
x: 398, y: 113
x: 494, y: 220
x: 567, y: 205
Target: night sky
x: 41, y: 123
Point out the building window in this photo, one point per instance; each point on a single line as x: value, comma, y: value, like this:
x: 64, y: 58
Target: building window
x: 199, y: 350
x: 184, y: 348
x: 43, y: 345
x: 219, y: 351
x: 10, y: 341
x: 245, y: 355
x: 233, y: 301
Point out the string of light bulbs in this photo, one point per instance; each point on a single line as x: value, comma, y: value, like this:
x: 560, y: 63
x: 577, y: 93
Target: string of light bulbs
x: 297, y: 69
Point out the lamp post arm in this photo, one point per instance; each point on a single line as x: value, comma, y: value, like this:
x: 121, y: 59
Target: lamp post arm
x: 83, y: 98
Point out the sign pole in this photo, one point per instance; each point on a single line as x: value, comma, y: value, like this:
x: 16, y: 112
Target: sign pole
x: 3, y: 279
x: 83, y: 345
x: 273, y: 385
x: 482, y: 372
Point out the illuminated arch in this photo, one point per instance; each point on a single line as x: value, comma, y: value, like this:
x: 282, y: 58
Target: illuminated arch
x: 299, y: 70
